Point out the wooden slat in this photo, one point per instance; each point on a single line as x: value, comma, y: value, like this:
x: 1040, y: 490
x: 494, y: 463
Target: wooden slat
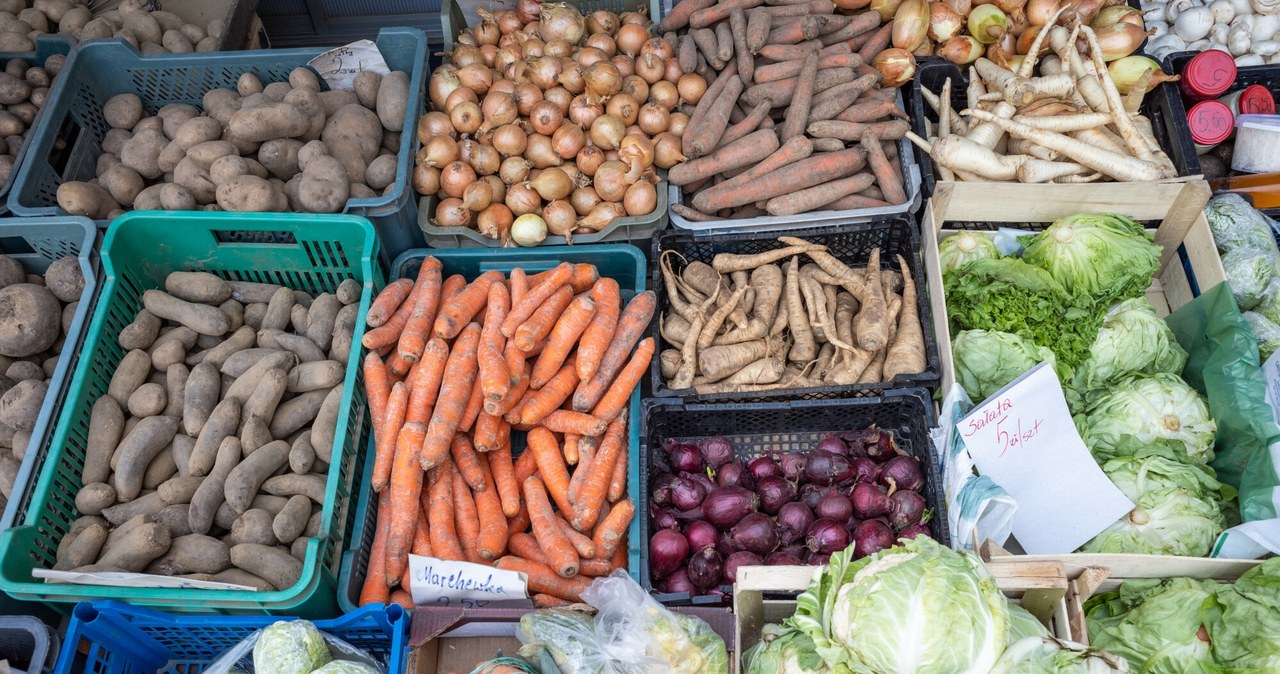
x: 1012, y: 202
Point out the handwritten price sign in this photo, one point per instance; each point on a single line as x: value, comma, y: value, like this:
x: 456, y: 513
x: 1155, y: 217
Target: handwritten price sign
x: 339, y: 66
x: 1023, y: 438
x: 441, y: 582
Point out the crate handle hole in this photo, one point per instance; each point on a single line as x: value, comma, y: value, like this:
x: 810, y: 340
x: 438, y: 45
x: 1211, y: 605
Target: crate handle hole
x: 256, y: 237
x: 15, y: 245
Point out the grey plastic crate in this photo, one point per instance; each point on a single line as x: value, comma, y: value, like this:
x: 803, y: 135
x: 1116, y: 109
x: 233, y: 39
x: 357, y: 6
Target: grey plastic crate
x: 453, y: 19
x: 28, y: 645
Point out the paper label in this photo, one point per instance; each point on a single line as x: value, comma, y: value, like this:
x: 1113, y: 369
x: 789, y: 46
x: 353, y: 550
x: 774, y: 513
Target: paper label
x: 442, y: 582
x: 1023, y: 438
x: 340, y: 66
x: 122, y: 579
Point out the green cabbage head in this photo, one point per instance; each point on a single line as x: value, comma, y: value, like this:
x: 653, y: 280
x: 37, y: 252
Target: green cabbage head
x: 1149, y: 408
x: 1244, y: 620
x: 963, y: 247
x: 1266, y: 332
x: 986, y: 360
x: 1022, y: 624
x: 293, y: 647
x: 918, y: 608
x: 1133, y: 340
x: 1108, y: 257
x: 1157, y: 625
x: 783, y: 650
x: 1046, y: 655
x: 1235, y: 223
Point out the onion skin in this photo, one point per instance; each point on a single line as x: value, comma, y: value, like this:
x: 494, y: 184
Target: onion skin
x: 755, y: 533
x: 584, y: 200
x: 426, y: 180
x: 455, y: 177
x: 911, y: 24
x: 668, y: 550
x: 495, y: 223
x: 560, y: 217
x: 870, y: 537
x: 452, y: 212
x: 700, y: 534
x: 737, y: 559
x: 897, y: 66
x: 726, y: 506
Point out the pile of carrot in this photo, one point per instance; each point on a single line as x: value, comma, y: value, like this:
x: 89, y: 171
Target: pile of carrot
x: 795, y: 118
x: 456, y: 371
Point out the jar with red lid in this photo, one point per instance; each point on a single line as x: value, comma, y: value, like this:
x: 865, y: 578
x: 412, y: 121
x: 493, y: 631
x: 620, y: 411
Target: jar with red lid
x: 1208, y: 75
x: 1254, y: 99
x: 1210, y: 122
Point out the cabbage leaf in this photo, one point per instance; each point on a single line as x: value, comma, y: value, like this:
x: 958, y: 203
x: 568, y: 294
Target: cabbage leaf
x: 1244, y: 620
x: 1156, y: 625
x: 986, y: 360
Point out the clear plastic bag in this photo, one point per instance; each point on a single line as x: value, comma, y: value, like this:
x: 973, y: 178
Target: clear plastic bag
x: 294, y: 647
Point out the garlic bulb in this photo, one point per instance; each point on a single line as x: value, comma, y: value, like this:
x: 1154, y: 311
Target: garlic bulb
x: 1238, y: 41
x: 1194, y: 23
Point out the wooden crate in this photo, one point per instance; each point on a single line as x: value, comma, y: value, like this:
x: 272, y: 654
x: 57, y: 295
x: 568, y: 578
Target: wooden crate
x: 1038, y: 585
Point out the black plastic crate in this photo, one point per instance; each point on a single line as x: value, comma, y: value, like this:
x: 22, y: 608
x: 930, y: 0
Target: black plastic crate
x: 28, y: 644
x: 932, y: 72
x: 757, y: 429
x: 852, y: 244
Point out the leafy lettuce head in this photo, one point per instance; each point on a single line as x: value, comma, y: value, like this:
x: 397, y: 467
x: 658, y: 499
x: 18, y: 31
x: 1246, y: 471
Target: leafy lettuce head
x: 965, y: 246
x: 1265, y: 331
x: 293, y: 647
x: 986, y: 360
x: 1237, y: 224
x: 783, y: 650
x: 1109, y: 257
x: 1132, y: 340
x: 1249, y: 274
x: 1156, y: 625
x: 1149, y: 408
x: 1046, y: 655
x: 1022, y: 624
x: 1169, y: 521
x: 1244, y: 620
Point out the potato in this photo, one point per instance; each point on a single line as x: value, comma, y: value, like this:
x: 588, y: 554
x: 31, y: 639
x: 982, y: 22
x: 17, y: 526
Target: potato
x: 280, y: 157
x: 142, y: 153
x: 148, y: 400
x: 78, y: 526
x: 122, y: 111
x: 207, y: 44
x: 179, y: 489
x: 244, y: 481
x: 11, y: 271
x: 83, y: 549
x: 304, y: 349
x: 16, y: 42
x: 253, y: 526
x: 222, y: 424
x: 235, y: 311
x: 392, y: 100
x: 309, y: 103
x: 106, y: 423
x: 237, y: 576
x: 266, y: 397
x: 242, y: 338
x: 366, y: 85
x: 136, y: 451
x: 266, y: 122
x: 275, y: 566
x: 10, y: 125
x: 20, y: 405
x: 202, y: 318
x: 93, y: 498
x: 244, y: 385
x: 30, y: 320
x: 175, y: 197
x: 54, y: 64
x: 343, y: 326
x: 123, y: 183
x: 137, y: 549
x: 298, y: 412
x: 195, y: 178
x: 24, y: 111
x: 221, y: 104
x: 175, y: 384
x: 149, y: 123
x: 291, y: 521
x: 176, y: 519
x: 192, y: 32
x: 247, y: 193
x: 381, y: 172
x: 177, y: 43
x: 323, y: 186
x: 174, y: 115
x: 88, y: 199
x: 194, y: 553
x: 33, y: 17
x: 143, y: 26
x: 301, y: 455
x: 115, y: 139
x: 353, y: 135
x: 74, y: 19
x: 310, y: 485
x: 225, y: 169
x: 276, y: 91
x: 204, y: 154
x: 97, y: 28
x: 21, y: 370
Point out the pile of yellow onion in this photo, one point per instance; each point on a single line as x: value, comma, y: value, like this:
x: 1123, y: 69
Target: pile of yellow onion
x: 552, y: 121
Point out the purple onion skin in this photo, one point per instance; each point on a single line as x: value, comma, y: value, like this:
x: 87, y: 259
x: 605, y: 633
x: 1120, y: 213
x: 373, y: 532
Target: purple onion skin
x: 870, y: 500
x: 725, y: 506
x: 810, y: 494
x: 685, y: 457
x: 793, y: 466
x: 678, y: 582
x: 668, y: 549
x: 687, y: 494
x: 826, y: 468
x: 737, y: 559
x: 701, y: 478
x: 827, y: 536
x: 915, y: 530
x: 692, y: 514
x: 756, y: 533
x: 793, y: 521
x: 852, y: 523
x: 865, y: 470
x: 905, y: 508
x: 762, y: 467
x: 817, y: 558
x: 858, y: 441
x: 700, y: 534
x: 834, y: 506
x: 706, y: 566
x: 902, y: 472
x: 871, y: 537
x: 724, y: 543
x: 661, y: 489
x: 775, y: 492
x: 833, y: 444
x: 782, y: 558
x: 735, y: 475
x: 716, y: 451
x: 665, y: 518
x: 881, y: 448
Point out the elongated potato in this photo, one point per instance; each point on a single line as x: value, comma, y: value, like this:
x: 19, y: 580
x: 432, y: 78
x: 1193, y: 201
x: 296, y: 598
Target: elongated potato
x: 137, y: 548
x: 194, y: 553
x: 210, y: 494
x: 272, y: 565
x: 106, y: 424
x: 136, y: 451
x: 247, y: 477
x: 202, y: 318
x: 201, y: 396
x: 222, y: 423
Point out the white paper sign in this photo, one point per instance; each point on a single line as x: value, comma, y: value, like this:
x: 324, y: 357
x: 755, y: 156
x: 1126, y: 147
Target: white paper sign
x: 442, y: 582
x: 1023, y: 438
x: 340, y: 66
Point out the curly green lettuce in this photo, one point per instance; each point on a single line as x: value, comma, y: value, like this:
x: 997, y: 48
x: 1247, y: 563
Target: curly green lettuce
x: 1107, y: 257
x: 965, y: 246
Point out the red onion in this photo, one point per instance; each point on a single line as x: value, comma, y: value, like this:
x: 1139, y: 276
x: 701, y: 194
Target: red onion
x: 665, y: 518
x: 782, y: 558
x: 686, y: 494
x: 812, y: 558
x: 764, y: 466
x: 668, y: 549
x: 906, y: 507
x: 826, y: 468
x: 734, y: 474
x: 701, y: 478
x: 700, y: 534
x: 775, y: 492
x: 810, y: 494
x: 831, y: 443
x: 871, y: 537
x: 827, y: 536
x: 880, y: 445
x: 660, y: 488
x: 724, y: 543
x: 725, y: 506
x: 902, y: 472
x: 834, y: 506
x: 793, y: 521
x: 737, y: 559
x: 915, y: 530
x: 793, y: 466
x: 684, y: 456
x: 677, y: 583
x: 716, y: 451
x: 706, y: 566
x: 870, y: 500
x: 865, y: 470
x: 756, y: 533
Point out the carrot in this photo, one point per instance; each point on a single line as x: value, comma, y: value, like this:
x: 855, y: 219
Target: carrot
x: 515, y: 396
x: 598, y: 333
x: 586, y: 456
x: 538, y: 404
x: 749, y: 123
x: 745, y: 151
x: 838, y: 101
x: 467, y: 461
x: 526, y: 546
x: 555, y: 545
x: 788, y: 153
x: 459, y: 380
x: 388, y: 300
x: 540, y: 601
x: 679, y: 15
x: 869, y: 110
x: 877, y: 43
x: 387, y: 435
x: 421, y: 537
x: 618, y: 483
x: 581, y: 542
x: 542, y: 580
x: 414, y: 337
x: 375, y: 589
x: 495, y: 376
x: 397, y: 366
x: 596, y: 487
x: 488, y: 432
x: 780, y: 92
x: 465, y: 517
x: 527, y: 465
x: 857, y: 25
x: 521, y: 521
x: 631, y: 325
x: 615, y: 399
x: 808, y: 172
x: 534, y: 297
x: 850, y: 201
x: 463, y: 306
x: 813, y: 198
x: 388, y: 334
x: 796, y: 30
x: 738, y: 27
x: 693, y: 215
x: 571, y: 453
x: 797, y: 52
x: 619, y: 558
x: 376, y: 387
x: 568, y: 421
x: 581, y: 277
x: 705, y: 136
x: 406, y: 485
x: 560, y: 342
x: 472, y: 412
x: 594, y: 568
x: 503, y: 471
x: 759, y: 24
x: 493, y: 522
x: 539, y: 324
x: 550, y: 467
x: 613, y: 529
x: 889, y: 180
x: 720, y: 11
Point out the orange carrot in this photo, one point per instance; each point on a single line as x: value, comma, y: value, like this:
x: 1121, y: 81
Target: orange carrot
x: 397, y: 365
x: 619, y: 393
x: 555, y: 545
x: 597, y: 567
x: 562, y: 339
x: 403, y: 598
x: 518, y: 283
x: 526, y: 546
x: 459, y: 379
x: 374, y: 590
x: 493, y: 523
x: 387, y: 435
x: 541, y: 601
x: 424, y: 381
x: 539, y: 324
x: 388, y: 300
x: 571, y: 448
x: 503, y: 471
x: 474, y: 404
x: 465, y: 517
x: 406, y: 485
x: 543, y: 401
x: 888, y: 178
x: 619, y: 558
x: 535, y: 296
x: 488, y: 432
x: 595, y: 339
x: 467, y: 461
x: 583, y: 276
x: 521, y: 521
x: 546, y: 452
x: 526, y: 465
x: 631, y: 326
x: 495, y: 376
x: 618, y: 485
x: 376, y: 387
x: 542, y: 580
x: 388, y: 334
x: 582, y: 543
x: 567, y: 421
x: 613, y: 529
x: 444, y: 532
x: 461, y: 308
x: 427, y: 300
x: 586, y: 458
x: 586, y: 508
x: 514, y: 405
x: 421, y: 536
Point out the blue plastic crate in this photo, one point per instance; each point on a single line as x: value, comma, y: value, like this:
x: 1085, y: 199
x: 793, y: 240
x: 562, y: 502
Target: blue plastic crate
x: 122, y: 639
x: 100, y: 69
x: 46, y: 46
x: 623, y: 263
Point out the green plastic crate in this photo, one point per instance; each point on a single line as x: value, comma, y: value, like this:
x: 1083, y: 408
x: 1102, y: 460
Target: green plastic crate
x: 453, y: 20
x: 623, y: 263
x: 314, y: 253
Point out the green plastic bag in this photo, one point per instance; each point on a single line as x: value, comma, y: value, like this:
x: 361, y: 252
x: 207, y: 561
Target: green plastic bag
x: 1223, y: 364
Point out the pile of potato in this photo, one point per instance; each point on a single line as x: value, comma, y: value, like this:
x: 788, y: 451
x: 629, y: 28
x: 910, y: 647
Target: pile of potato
x: 285, y: 146
x: 23, y: 90
x: 157, y: 32
x: 35, y: 313
x: 207, y: 458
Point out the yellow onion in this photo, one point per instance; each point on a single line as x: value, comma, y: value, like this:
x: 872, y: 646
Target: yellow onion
x: 666, y: 150
x: 944, y: 22
x: 568, y: 140
x: 528, y: 10
x: 1118, y: 14
x: 444, y: 80
x: 551, y: 184
x: 560, y: 217
x: 499, y: 108
x: 631, y: 38
x: 911, y: 24
x: 1010, y: 6
x: 638, y: 147
x: 607, y: 131
x: 560, y: 21
x: 426, y: 179
x: 434, y: 123
x: 604, y: 213
x: 987, y: 23
x: 521, y: 199
x: 885, y: 8
x: 455, y: 177
x: 508, y: 21
x: 529, y: 229
x: 1027, y: 38
x: 459, y: 96
x: 590, y: 158
x: 438, y: 151
x: 477, y: 196
x: 495, y: 223
x: 476, y: 77
x: 641, y: 198
x: 603, y: 21
x: 603, y: 80
x: 896, y: 66
x: 623, y: 107
x: 1120, y: 40
x: 514, y: 170
x: 452, y: 212
x: 604, y: 42
x: 1083, y: 11
x: 466, y: 117
x: 527, y: 95
x: 584, y: 199
x: 465, y: 54
x: 1126, y: 72
x: 583, y: 112
x: 1039, y: 12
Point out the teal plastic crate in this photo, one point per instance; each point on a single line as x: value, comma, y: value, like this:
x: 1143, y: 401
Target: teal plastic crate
x: 46, y: 46
x: 314, y: 253
x: 100, y: 69
x: 453, y: 20
x: 623, y: 263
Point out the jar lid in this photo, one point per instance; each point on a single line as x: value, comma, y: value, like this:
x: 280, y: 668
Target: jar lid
x: 1211, y: 122
x: 1208, y: 74
x: 1256, y: 100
